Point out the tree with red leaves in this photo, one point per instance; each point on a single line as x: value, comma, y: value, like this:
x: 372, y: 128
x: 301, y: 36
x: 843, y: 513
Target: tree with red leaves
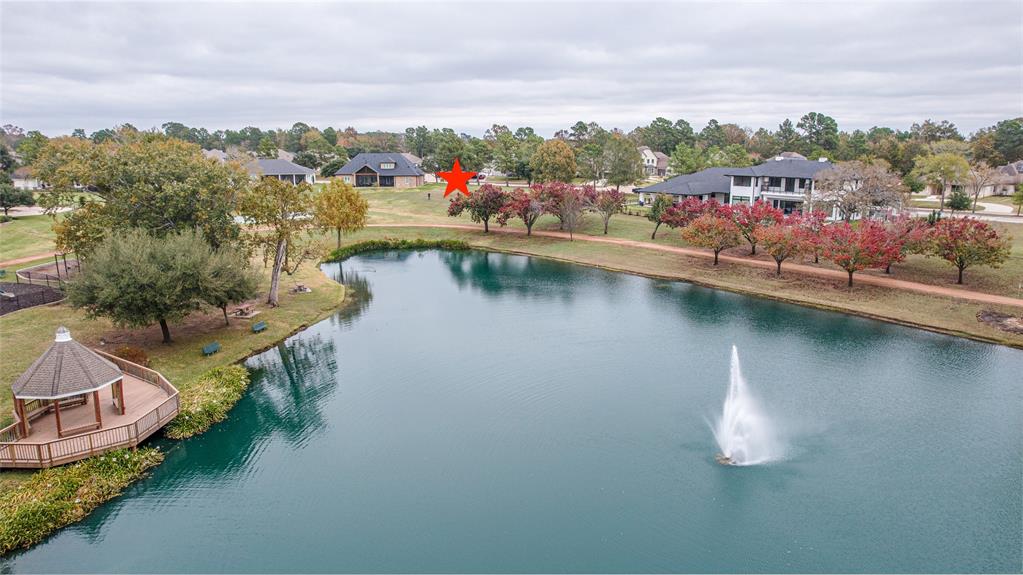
x: 781, y: 241
x: 607, y: 203
x: 526, y: 205
x: 965, y: 242
x: 909, y: 235
x: 573, y: 206
x: 857, y: 248
x: 713, y: 232
x: 482, y: 204
x: 683, y: 213
x: 751, y: 217
x: 811, y: 228
x: 551, y: 195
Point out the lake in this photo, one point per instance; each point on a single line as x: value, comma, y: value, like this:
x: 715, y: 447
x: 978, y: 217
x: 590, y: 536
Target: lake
x: 476, y: 412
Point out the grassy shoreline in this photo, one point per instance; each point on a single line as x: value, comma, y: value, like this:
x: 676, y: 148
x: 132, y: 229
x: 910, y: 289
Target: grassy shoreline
x: 937, y: 314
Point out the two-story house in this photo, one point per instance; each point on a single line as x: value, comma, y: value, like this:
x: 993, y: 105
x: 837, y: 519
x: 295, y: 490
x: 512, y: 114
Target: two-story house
x: 381, y: 170
x: 654, y: 163
x: 784, y: 182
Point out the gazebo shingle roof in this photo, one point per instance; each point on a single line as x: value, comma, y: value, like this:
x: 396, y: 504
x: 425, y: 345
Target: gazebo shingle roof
x: 67, y: 368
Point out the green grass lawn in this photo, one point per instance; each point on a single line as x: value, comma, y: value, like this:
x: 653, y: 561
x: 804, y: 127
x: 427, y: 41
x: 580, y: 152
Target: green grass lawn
x: 932, y: 205
x: 1000, y: 200
x: 26, y: 235
x: 412, y: 206
x: 182, y: 361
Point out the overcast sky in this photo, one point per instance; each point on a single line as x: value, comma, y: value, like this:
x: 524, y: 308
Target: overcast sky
x: 467, y: 66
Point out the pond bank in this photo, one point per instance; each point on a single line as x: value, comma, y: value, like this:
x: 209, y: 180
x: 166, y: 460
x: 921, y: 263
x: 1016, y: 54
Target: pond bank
x: 936, y: 313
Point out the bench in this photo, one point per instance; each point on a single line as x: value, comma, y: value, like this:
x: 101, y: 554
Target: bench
x: 211, y: 348
x: 258, y: 326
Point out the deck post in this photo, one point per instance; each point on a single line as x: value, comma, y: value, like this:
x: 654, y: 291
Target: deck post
x: 96, y: 402
x: 19, y: 406
x: 120, y: 395
x: 56, y: 413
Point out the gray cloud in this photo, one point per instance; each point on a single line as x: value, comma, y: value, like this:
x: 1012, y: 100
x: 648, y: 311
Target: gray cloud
x: 469, y: 65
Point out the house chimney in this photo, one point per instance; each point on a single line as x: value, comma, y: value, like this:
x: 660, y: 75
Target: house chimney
x: 62, y: 334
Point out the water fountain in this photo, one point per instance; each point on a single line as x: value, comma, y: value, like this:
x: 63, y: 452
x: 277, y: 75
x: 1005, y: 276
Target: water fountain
x: 744, y: 435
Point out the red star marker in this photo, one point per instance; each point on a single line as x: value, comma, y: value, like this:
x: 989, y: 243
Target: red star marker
x: 456, y: 179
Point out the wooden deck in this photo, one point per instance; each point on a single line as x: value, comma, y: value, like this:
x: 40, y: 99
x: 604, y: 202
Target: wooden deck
x: 151, y: 403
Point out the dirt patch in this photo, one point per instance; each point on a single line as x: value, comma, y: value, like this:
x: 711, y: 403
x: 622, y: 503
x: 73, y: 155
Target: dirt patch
x: 1002, y: 321
x: 17, y: 296
x: 196, y: 325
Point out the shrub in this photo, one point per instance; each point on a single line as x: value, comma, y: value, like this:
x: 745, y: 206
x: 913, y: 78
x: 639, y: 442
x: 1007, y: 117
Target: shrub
x: 133, y: 354
x: 208, y: 401
x: 350, y: 250
x: 56, y: 497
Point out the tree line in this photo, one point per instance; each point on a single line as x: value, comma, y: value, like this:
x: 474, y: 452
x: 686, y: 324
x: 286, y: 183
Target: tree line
x: 599, y: 153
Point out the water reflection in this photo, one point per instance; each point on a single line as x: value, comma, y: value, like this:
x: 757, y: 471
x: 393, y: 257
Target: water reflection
x: 358, y: 293
x: 295, y: 379
x: 495, y: 275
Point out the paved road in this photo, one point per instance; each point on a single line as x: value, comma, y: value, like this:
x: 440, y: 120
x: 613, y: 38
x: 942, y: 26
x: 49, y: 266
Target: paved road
x: 791, y: 267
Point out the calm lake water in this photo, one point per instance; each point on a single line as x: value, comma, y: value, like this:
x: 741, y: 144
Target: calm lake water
x: 484, y: 412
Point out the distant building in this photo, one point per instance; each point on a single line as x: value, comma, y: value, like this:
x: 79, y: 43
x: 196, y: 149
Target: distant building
x: 382, y: 170
x: 785, y: 182
x: 219, y: 155
x: 22, y: 179
x: 662, y: 163
x: 280, y: 169
x: 1010, y: 175
x: 654, y: 163
x: 1004, y: 184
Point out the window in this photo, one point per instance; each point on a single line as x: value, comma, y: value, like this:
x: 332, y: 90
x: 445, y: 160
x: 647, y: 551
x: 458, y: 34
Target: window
x: 774, y: 182
x: 742, y: 181
x: 790, y: 184
x: 386, y: 165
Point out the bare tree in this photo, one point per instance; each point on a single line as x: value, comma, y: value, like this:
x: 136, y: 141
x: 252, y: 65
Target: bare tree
x: 859, y: 188
x: 979, y: 176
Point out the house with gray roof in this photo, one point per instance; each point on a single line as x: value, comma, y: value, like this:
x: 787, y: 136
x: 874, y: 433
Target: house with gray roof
x: 280, y: 169
x: 712, y: 183
x: 784, y: 181
x: 381, y: 170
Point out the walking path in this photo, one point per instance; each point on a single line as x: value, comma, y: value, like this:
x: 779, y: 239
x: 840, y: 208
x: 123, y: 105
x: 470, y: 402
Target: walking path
x: 791, y: 267
x: 26, y: 259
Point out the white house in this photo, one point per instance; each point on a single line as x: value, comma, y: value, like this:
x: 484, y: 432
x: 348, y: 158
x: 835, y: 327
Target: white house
x: 22, y: 179
x: 654, y: 163
x: 280, y: 169
x: 784, y: 182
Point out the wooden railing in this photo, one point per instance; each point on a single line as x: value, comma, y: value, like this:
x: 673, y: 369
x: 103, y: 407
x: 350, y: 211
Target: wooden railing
x: 68, y: 449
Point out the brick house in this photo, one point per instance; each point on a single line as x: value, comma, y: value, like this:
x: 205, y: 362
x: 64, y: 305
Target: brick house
x: 381, y: 170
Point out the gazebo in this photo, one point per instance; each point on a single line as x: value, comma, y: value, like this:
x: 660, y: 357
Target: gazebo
x: 64, y: 378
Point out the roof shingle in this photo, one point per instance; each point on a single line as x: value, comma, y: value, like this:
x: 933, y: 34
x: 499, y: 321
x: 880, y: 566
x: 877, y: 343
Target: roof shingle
x: 67, y: 368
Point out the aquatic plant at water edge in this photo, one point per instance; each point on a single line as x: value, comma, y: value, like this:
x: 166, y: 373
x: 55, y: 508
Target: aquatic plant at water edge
x: 350, y: 250
x: 208, y: 401
x: 53, y: 498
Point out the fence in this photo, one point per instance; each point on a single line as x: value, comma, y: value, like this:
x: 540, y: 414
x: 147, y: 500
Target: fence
x: 16, y: 296
x: 68, y: 449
